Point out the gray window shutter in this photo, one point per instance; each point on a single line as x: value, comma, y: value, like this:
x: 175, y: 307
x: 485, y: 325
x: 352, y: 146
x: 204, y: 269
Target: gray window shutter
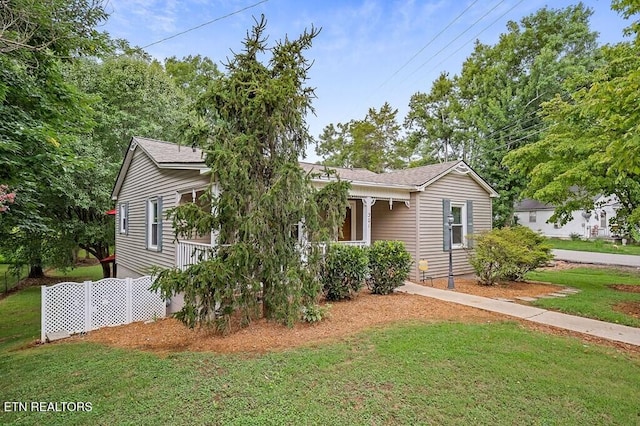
x: 446, y: 209
x: 126, y: 213
x: 118, y: 218
x: 146, y: 223
x: 159, y: 223
x: 469, y: 222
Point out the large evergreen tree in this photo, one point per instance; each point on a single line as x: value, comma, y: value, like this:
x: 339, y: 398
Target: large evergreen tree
x: 251, y: 127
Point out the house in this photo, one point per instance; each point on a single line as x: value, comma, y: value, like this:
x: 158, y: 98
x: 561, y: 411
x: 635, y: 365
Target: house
x: 592, y: 223
x: 410, y: 205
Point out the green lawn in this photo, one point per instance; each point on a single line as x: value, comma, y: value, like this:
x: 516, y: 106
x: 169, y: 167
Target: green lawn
x: 596, y: 299
x: 82, y: 273
x: 417, y: 373
x: 598, y: 246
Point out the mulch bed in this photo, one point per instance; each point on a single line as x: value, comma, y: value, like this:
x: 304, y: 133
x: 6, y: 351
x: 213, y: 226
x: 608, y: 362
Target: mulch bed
x: 346, y: 318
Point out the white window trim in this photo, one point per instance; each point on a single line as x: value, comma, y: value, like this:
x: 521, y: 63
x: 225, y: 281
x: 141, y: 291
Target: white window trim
x: 150, y: 233
x: 124, y: 220
x: 533, y: 214
x: 463, y: 219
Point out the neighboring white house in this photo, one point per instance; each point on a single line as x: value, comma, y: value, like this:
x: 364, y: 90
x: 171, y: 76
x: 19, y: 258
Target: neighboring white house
x: 588, y: 224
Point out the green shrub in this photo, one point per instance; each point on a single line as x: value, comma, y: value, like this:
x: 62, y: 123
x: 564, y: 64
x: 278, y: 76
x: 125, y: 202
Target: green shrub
x: 344, y: 271
x: 390, y: 263
x: 507, y: 254
x: 575, y: 236
x: 314, y: 313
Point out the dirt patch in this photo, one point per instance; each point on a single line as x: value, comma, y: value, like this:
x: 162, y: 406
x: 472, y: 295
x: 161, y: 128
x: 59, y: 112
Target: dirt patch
x: 628, y: 288
x: 346, y: 318
x: 629, y: 308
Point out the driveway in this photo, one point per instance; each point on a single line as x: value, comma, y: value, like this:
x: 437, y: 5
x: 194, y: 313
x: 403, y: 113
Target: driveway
x: 597, y: 258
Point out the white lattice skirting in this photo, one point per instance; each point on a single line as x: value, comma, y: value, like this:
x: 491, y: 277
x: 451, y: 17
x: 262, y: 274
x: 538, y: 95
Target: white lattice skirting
x: 79, y: 307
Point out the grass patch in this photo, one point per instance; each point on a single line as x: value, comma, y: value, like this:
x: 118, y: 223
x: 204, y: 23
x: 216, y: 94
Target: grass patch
x: 596, y: 299
x: 412, y: 374
x: 597, y: 246
x: 81, y: 273
x: 443, y: 373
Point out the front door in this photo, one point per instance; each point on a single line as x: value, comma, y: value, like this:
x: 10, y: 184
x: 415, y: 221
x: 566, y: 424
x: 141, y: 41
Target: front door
x: 346, y: 227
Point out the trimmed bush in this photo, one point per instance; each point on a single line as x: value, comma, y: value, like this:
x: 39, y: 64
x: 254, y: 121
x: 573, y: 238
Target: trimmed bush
x: 507, y: 254
x: 390, y: 263
x: 344, y: 271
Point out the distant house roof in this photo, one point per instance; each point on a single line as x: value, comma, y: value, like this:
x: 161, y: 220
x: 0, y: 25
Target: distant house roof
x: 529, y: 204
x: 167, y: 155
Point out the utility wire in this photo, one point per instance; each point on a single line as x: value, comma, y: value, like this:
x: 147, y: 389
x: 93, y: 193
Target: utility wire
x: 457, y: 37
x: 427, y: 45
x: 476, y: 36
x: 205, y: 24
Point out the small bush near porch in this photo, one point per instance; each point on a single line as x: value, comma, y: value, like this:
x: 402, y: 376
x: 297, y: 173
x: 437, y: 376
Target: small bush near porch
x: 390, y: 263
x: 344, y: 271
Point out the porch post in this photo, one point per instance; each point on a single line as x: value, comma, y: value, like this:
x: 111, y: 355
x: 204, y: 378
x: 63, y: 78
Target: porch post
x: 366, y: 219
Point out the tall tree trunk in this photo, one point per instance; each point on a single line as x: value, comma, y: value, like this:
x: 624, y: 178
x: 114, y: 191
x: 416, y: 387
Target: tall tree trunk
x: 106, y: 269
x: 36, y: 271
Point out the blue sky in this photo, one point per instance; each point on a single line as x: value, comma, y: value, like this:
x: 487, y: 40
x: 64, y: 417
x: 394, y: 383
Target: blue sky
x: 363, y: 53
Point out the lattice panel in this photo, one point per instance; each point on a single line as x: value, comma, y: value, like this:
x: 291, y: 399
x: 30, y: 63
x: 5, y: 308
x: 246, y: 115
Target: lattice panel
x: 65, y: 308
x: 108, y: 303
x: 145, y: 304
x: 75, y: 307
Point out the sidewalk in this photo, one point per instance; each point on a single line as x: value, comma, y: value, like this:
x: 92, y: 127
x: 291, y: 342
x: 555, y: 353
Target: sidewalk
x: 619, y: 333
x: 597, y: 258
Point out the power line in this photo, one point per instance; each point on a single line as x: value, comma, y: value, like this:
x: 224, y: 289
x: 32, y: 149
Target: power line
x: 205, y: 24
x: 476, y: 36
x: 427, y: 45
x: 457, y: 37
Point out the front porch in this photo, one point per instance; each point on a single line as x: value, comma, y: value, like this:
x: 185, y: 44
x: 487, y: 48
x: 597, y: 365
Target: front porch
x: 363, y: 225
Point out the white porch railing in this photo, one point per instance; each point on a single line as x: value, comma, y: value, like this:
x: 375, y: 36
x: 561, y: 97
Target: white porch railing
x: 190, y: 253
x: 354, y: 243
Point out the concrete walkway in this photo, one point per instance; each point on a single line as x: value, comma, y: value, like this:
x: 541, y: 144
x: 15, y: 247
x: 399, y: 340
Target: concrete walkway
x: 619, y: 333
x: 597, y: 258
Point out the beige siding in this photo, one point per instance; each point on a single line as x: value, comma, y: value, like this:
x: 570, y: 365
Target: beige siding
x: 143, y: 181
x: 395, y: 224
x: 458, y: 188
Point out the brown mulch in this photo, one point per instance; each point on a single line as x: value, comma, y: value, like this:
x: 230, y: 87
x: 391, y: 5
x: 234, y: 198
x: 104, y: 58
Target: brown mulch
x: 346, y: 318
x: 629, y: 308
x: 629, y: 288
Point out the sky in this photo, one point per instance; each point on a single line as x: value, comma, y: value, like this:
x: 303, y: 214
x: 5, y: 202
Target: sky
x: 368, y: 51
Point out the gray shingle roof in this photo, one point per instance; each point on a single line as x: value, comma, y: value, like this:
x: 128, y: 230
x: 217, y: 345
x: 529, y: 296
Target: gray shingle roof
x: 362, y: 175
x: 166, y: 152
x: 415, y: 176
x: 529, y: 204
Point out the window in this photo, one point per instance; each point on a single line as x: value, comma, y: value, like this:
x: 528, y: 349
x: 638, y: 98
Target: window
x: 532, y: 217
x: 154, y: 224
x: 124, y: 222
x: 462, y: 225
x: 603, y: 219
x: 457, y: 228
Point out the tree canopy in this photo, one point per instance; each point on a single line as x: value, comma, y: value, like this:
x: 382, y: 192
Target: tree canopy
x: 591, y: 144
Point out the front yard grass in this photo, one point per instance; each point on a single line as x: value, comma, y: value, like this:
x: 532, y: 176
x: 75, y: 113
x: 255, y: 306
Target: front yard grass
x: 597, y: 246
x: 417, y: 373
x: 596, y: 299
